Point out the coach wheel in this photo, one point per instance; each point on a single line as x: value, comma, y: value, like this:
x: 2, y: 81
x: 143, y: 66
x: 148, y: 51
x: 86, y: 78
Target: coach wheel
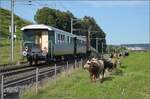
x: 36, y: 59
x: 30, y: 62
x: 29, y: 59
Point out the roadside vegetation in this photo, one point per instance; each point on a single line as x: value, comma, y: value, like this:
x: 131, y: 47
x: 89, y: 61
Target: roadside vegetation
x: 5, y: 48
x: 5, y: 22
x: 131, y: 80
x: 5, y: 52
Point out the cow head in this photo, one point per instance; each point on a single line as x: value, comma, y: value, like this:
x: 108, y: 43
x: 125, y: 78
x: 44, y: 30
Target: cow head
x: 87, y: 65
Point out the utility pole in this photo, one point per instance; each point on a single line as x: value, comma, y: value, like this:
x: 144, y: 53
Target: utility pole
x: 108, y: 49
x: 71, y: 25
x: 2, y: 86
x: 0, y: 22
x: 102, y: 48
x: 97, y: 44
x: 12, y: 31
x: 88, y: 39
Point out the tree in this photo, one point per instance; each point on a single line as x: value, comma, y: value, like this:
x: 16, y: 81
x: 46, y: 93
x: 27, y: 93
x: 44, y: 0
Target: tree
x: 55, y: 18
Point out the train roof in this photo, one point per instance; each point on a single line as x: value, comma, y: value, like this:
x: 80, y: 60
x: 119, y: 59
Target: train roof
x: 50, y: 28
x: 36, y: 26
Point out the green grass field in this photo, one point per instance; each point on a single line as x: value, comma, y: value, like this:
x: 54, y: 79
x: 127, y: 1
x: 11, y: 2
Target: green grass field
x: 130, y: 81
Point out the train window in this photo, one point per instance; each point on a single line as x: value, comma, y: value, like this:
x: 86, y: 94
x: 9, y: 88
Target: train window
x: 63, y: 38
x: 78, y: 41
x: 71, y: 40
x: 84, y: 43
x: 81, y: 42
x: 29, y: 35
x: 58, y: 37
x: 68, y: 39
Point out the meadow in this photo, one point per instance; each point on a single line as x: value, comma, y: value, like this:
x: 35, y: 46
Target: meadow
x: 131, y: 80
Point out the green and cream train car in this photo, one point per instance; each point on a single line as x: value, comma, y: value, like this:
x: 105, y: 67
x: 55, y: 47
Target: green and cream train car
x: 42, y: 42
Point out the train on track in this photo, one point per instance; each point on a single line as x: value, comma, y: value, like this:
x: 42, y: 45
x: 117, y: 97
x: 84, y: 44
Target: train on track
x: 42, y: 42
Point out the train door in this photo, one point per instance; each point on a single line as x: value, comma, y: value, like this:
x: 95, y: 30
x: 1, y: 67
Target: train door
x: 44, y: 41
x: 38, y: 39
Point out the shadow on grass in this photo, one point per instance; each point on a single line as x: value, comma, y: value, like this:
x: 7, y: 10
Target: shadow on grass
x: 117, y: 72
x: 123, y: 66
x: 108, y: 79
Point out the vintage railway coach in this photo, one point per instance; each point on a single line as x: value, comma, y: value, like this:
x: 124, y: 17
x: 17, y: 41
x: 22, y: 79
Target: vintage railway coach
x: 42, y: 42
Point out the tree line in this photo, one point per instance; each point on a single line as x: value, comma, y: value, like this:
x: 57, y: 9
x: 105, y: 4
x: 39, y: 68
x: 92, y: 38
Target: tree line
x: 62, y: 20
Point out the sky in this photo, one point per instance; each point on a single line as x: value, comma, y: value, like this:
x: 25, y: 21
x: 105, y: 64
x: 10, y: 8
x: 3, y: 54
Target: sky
x: 124, y: 22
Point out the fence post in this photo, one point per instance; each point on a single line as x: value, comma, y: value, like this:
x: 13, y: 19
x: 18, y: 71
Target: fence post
x: 67, y: 66
x: 75, y: 64
x: 55, y: 70
x: 81, y: 63
x: 2, y: 86
x: 37, y: 71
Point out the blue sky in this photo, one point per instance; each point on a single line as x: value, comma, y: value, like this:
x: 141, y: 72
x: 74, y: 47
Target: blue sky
x: 125, y: 22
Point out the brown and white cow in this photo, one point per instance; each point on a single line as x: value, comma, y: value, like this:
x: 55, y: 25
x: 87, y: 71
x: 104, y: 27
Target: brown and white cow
x: 95, y: 68
x: 115, y: 60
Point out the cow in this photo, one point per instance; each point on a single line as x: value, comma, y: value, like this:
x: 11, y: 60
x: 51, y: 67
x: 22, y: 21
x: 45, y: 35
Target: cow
x: 108, y: 65
x: 95, y: 68
x: 126, y: 53
x: 115, y: 59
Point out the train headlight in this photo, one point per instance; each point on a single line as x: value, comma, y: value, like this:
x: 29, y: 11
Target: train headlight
x: 24, y: 53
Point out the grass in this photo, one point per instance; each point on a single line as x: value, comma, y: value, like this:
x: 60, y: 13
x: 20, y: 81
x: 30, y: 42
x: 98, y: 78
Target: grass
x: 5, y: 52
x: 129, y: 81
x: 5, y: 48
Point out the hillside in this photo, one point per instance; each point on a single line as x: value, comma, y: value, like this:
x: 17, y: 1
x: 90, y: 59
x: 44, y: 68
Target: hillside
x: 145, y: 46
x: 5, y: 21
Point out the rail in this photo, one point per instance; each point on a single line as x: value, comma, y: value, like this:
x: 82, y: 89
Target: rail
x: 33, y: 75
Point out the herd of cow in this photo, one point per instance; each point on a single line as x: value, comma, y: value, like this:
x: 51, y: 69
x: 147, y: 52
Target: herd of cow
x: 98, y: 67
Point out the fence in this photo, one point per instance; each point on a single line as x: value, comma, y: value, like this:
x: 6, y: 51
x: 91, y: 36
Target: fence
x: 35, y: 79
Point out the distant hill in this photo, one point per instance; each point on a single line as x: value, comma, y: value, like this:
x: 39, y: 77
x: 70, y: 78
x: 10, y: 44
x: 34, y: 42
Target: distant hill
x: 5, y: 22
x: 143, y: 46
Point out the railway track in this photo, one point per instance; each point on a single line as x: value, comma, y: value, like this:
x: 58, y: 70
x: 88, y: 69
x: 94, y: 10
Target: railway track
x: 7, y: 68
x: 26, y: 76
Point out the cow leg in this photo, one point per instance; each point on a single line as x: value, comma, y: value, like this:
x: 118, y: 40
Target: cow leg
x: 94, y: 78
x: 104, y: 72
x: 102, y: 76
x: 91, y: 77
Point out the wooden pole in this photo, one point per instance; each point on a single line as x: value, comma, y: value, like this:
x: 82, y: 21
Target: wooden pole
x: 2, y: 86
